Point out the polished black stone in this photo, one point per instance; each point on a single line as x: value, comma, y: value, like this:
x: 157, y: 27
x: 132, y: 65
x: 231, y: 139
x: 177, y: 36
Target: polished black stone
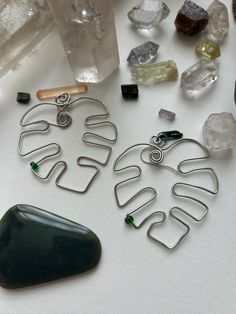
x: 23, y: 98
x: 37, y: 246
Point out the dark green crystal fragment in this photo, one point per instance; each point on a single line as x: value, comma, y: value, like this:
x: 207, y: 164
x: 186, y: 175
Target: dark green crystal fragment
x: 37, y: 246
x: 23, y: 98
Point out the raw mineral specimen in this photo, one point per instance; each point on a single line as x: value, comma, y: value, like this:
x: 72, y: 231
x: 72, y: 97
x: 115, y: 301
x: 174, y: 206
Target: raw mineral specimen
x: 218, y: 23
x: 155, y: 72
x: 129, y: 91
x: 37, y: 246
x: 199, y: 76
x: 88, y: 34
x: 23, y: 24
x: 169, y: 115
x: 208, y: 49
x: 143, y: 54
x: 148, y: 13
x: 219, y: 132
x: 191, y: 18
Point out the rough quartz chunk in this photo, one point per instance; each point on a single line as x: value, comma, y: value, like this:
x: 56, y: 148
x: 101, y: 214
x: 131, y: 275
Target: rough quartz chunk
x: 219, y: 132
x: 23, y: 24
x: 191, y: 18
x: 155, y: 72
x: 199, y: 76
x: 143, y: 54
x: 88, y: 34
x: 218, y: 23
x: 148, y: 13
x: 208, y: 49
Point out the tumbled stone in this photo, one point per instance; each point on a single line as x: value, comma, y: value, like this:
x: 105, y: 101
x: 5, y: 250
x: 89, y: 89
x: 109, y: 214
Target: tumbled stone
x: 219, y: 132
x: 155, y: 72
x: 199, y: 76
x: 208, y: 49
x: 218, y: 23
x: 37, y: 246
x: 143, y: 54
x: 148, y: 13
x: 191, y: 18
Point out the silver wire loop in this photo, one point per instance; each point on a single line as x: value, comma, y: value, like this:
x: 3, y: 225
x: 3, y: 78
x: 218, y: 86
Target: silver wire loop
x: 156, y: 150
x: 53, y: 150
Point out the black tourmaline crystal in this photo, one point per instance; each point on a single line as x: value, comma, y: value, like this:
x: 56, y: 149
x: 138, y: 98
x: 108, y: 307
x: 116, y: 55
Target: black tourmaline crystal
x: 37, y: 246
x: 191, y: 18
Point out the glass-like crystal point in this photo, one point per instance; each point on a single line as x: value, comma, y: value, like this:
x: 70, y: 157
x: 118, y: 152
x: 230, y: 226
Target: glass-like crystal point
x: 148, y: 13
x: 143, y: 54
x: 22, y: 25
x: 218, y: 23
x: 87, y: 30
x: 199, y: 76
x: 155, y: 72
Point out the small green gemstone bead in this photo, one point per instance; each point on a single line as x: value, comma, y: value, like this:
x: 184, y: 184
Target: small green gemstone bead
x: 34, y: 165
x: 129, y: 219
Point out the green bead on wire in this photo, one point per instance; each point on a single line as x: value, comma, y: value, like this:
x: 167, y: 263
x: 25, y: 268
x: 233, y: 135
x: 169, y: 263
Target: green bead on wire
x: 34, y: 165
x: 129, y: 220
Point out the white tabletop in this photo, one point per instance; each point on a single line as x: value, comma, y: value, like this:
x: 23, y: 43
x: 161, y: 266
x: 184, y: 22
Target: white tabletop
x: 134, y: 275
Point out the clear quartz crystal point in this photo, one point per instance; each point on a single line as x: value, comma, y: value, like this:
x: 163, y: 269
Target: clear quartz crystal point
x: 87, y: 30
x: 155, y: 72
x: 219, y: 132
x: 143, y: 54
x: 218, y: 23
x: 199, y: 76
x: 148, y: 13
x: 23, y: 23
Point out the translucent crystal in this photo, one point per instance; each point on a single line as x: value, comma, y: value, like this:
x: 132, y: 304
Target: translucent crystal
x: 218, y: 23
x: 155, y: 72
x: 219, y: 132
x: 148, y: 13
x: 191, y: 18
x: 169, y: 115
x: 199, y: 76
x: 23, y: 23
x: 208, y: 49
x: 87, y: 30
x: 143, y: 54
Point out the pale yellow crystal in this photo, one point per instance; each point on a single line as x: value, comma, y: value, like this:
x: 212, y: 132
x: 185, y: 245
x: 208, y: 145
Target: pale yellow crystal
x: 208, y: 49
x: 155, y: 72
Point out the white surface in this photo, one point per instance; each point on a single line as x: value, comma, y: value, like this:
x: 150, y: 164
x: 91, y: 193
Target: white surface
x: 134, y: 275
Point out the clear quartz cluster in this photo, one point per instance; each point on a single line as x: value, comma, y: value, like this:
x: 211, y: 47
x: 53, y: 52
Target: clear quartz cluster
x: 148, y: 13
x: 218, y: 23
x: 23, y: 23
x: 219, y: 132
x: 199, y: 76
x: 155, y: 72
x: 143, y: 54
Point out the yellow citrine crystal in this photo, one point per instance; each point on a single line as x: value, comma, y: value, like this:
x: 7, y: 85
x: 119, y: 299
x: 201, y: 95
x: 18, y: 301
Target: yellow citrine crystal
x: 208, y: 49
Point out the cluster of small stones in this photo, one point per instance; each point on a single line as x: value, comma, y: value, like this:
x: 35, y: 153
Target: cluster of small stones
x: 190, y: 19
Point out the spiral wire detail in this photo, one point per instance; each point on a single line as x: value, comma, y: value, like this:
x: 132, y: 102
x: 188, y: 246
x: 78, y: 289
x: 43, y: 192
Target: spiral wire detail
x: 64, y: 120
x: 156, y: 150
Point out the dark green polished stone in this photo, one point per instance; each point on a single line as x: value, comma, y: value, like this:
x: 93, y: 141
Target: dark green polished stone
x: 37, y: 246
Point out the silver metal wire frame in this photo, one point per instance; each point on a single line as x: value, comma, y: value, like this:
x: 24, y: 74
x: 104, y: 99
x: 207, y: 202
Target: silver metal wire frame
x: 64, y: 120
x: 157, y: 149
